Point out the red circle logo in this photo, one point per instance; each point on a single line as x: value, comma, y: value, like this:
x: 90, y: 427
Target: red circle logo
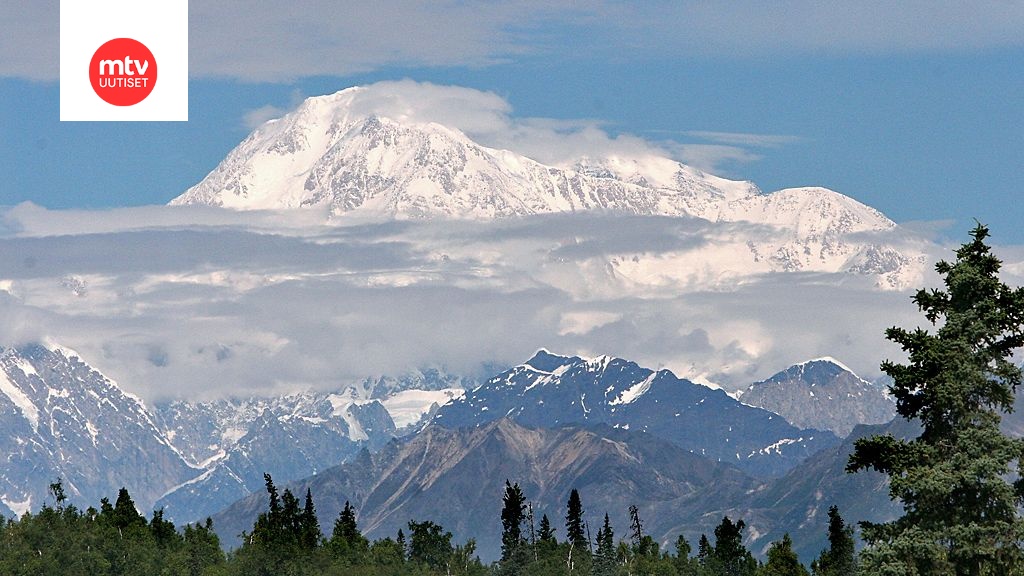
x: 123, y: 72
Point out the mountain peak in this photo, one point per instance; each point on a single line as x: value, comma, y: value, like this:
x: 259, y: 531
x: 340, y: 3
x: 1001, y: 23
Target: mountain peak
x: 821, y: 393
x: 357, y: 151
x: 545, y: 361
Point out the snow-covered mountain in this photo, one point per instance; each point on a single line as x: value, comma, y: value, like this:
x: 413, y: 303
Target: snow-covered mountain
x: 330, y: 153
x: 552, y: 390
x: 63, y: 419
x: 236, y: 442
x: 326, y: 153
x: 824, y: 394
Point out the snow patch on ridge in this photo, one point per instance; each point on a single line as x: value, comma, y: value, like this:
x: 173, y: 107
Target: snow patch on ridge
x: 635, y: 391
x: 830, y: 360
x: 21, y: 400
x: 19, y: 507
x: 408, y: 406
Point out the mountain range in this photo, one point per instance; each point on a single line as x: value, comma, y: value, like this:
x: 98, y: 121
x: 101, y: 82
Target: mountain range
x: 68, y: 421
x: 552, y: 390
x: 63, y: 419
x: 456, y: 477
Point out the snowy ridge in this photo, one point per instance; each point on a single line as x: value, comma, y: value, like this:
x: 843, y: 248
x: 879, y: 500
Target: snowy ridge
x: 633, y: 392
x: 830, y: 360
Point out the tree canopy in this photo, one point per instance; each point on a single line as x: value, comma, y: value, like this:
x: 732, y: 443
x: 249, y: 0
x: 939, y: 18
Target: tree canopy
x: 960, y: 511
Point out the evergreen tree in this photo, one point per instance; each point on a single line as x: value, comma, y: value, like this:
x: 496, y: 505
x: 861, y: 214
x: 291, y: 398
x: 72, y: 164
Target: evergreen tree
x: 400, y: 540
x: 960, y: 513
x: 636, y: 527
x: 201, y: 548
x: 125, y: 514
x: 574, y: 530
x: 346, y: 539
x: 163, y: 531
x: 267, y: 531
x: 684, y: 565
x: 309, y: 534
x: 604, y: 558
x: 643, y: 544
x: 730, y: 557
x: 704, y: 550
x: 782, y: 560
x: 512, y: 514
x: 429, y: 544
x: 839, y: 559
x: 546, y: 534
x: 290, y: 529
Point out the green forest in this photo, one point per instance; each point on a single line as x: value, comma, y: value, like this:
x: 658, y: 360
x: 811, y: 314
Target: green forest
x: 287, y: 539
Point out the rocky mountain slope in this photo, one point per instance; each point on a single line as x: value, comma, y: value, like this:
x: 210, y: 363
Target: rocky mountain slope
x: 552, y: 390
x: 456, y: 478
x: 822, y: 394
x: 236, y: 442
x: 62, y: 419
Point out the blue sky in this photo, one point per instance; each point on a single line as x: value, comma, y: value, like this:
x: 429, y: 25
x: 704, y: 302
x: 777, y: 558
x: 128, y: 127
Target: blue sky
x: 917, y: 109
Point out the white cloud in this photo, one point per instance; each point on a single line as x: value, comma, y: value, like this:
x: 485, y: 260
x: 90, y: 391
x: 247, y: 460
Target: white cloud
x: 253, y: 118
x: 741, y: 139
x: 281, y: 41
x: 712, y: 158
x: 489, y: 119
x: 254, y: 302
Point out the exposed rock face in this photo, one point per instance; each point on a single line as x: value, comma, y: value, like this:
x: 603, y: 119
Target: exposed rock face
x: 63, y: 419
x: 822, y: 394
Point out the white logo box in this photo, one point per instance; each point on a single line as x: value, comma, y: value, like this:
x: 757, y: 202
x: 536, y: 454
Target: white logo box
x: 162, y: 25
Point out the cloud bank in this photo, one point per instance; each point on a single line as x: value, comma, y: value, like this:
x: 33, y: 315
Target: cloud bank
x: 202, y: 303
x: 282, y: 41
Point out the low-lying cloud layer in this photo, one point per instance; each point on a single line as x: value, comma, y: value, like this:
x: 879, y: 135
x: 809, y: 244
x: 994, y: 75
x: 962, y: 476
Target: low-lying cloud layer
x: 201, y: 302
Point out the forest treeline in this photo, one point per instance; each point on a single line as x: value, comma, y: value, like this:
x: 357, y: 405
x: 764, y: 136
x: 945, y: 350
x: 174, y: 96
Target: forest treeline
x: 288, y: 540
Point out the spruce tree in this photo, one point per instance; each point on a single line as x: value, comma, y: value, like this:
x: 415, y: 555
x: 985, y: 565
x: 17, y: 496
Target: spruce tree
x: 512, y: 515
x: 402, y: 545
x: 309, y: 536
x: 703, y: 550
x: 604, y: 558
x: 839, y: 559
x: 124, y: 514
x: 782, y: 560
x: 960, y: 511
x: 574, y: 530
x: 546, y: 534
x: 730, y: 557
x: 684, y: 565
